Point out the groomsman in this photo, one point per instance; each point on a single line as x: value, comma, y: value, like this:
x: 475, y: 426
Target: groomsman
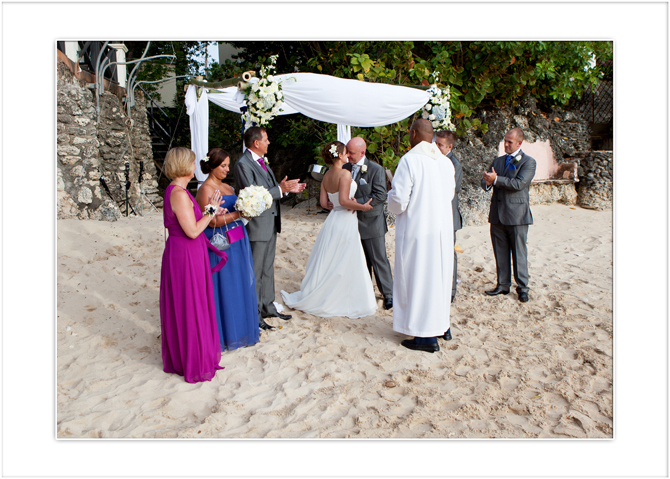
x: 371, y: 224
x: 510, y: 176
x: 445, y: 142
x: 252, y: 168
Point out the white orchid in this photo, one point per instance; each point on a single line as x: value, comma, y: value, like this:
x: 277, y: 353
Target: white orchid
x: 437, y: 108
x: 264, y: 98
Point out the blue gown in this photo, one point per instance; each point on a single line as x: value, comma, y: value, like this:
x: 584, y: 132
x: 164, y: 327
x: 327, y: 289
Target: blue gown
x: 235, y: 289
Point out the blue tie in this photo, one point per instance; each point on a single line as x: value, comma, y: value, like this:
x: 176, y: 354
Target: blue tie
x: 509, y: 164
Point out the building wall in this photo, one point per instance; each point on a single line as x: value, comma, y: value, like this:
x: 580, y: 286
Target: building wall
x: 88, y: 150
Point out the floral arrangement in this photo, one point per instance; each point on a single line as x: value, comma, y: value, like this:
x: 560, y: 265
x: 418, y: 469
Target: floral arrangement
x: 437, y: 109
x: 253, y: 200
x: 264, y: 98
x: 364, y: 169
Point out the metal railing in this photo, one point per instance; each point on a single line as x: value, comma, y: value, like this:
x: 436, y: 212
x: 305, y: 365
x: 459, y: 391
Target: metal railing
x: 597, y: 105
x: 160, y: 122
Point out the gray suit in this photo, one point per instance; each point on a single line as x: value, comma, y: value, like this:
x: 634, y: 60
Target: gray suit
x: 262, y: 230
x: 509, y: 217
x: 372, y: 224
x: 458, y: 219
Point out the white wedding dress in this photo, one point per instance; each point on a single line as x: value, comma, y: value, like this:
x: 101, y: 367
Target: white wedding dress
x: 337, y: 281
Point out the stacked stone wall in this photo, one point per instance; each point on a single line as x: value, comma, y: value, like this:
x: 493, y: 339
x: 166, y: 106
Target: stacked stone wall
x: 569, y: 136
x: 595, y: 186
x: 88, y: 151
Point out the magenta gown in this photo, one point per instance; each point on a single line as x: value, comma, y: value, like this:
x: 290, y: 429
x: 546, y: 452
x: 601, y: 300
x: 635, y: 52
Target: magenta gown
x: 189, y: 331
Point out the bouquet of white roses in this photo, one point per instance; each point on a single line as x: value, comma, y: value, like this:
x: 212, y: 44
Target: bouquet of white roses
x: 253, y: 200
x: 437, y: 109
x: 264, y: 98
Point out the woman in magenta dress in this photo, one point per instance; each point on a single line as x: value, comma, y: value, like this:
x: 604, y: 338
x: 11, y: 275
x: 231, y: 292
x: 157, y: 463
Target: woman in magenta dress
x: 234, y: 285
x: 189, y: 333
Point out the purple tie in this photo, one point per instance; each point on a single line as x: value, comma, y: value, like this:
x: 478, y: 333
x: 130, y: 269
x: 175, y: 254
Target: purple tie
x: 262, y: 163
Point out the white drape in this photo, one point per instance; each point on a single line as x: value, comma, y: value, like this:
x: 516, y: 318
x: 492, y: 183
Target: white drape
x: 198, y: 111
x: 325, y: 98
x: 350, y: 102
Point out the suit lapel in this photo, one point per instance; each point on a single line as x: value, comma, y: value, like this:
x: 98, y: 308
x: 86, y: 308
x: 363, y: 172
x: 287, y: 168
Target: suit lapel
x: 266, y: 174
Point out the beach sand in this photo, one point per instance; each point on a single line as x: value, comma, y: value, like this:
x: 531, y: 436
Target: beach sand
x: 513, y: 370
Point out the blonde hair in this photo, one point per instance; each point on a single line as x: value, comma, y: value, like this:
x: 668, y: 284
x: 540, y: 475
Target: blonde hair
x: 178, y: 162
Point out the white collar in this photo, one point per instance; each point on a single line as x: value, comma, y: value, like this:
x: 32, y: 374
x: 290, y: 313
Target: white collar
x: 361, y: 162
x: 515, y: 153
x: 254, y: 156
x: 427, y: 149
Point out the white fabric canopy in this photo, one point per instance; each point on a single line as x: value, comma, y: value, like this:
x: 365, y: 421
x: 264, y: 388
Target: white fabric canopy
x: 321, y: 97
x: 198, y: 111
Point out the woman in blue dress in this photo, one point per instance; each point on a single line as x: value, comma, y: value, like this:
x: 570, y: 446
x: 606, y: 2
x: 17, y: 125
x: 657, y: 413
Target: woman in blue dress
x: 234, y: 286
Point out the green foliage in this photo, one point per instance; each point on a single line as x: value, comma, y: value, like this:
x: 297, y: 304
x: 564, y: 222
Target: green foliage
x: 480, y: 75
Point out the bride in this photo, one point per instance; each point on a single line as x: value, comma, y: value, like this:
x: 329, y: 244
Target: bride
x: 336, y: 282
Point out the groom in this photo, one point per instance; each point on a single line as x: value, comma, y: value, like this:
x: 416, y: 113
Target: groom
x: 253, y: 169
x: 371, y: 224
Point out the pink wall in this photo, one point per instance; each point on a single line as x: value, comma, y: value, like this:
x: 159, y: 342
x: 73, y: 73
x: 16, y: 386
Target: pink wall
x: 544, y: 157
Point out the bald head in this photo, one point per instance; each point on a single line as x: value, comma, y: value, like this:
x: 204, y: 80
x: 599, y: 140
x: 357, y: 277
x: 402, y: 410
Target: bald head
x: 517, y: 132
x: 421, y: 130
x: 356, y: 149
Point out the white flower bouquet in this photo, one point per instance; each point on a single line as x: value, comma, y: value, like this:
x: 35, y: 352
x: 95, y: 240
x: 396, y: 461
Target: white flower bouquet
x: 253, y: 200
x: 437, y: 109
x: 264, y: 98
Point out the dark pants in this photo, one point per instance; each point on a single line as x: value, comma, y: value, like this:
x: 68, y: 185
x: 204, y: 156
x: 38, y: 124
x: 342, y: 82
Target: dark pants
x: 263, y: 253
x: 511, y: 240
x: 454, y: 282
x: 375, y: 257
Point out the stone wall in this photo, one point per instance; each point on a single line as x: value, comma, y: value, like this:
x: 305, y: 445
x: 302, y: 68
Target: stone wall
x: 595, y: 186
x: 570, y: 141
x: 88, y: 151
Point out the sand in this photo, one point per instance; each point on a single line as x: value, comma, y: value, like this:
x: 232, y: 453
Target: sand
x: 513, y: 370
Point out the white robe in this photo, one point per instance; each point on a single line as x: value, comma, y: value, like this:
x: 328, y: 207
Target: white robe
x: 423, y: 187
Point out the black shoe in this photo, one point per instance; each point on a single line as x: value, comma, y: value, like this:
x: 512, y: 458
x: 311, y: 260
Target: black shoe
x: 429, y: 348
x: 447, y: 335
x: 388, y: 303
x: 285, y: 317
x: 498, y: 290
x: 266, y: 326
x: 523, y: 297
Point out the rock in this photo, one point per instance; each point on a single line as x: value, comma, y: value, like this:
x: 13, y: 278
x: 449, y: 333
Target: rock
x: 109, y: 212
x: 85, y: 195
x: 390, y: 384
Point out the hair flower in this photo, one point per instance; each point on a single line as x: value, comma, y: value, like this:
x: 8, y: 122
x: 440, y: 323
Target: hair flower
x: 333, y: 150
x: 205, y: 158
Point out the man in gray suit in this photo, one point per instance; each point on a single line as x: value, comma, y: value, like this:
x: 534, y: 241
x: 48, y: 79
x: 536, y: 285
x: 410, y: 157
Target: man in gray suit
x: 510, y: 176
x: 445, y: 142
x: 372, y: 226
x: 253, y: 169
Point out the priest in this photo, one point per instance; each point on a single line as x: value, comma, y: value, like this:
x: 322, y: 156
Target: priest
x: 421, y: 193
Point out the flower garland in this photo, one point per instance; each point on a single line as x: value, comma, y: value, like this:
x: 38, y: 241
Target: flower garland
x: 264, y: 98
x: 437, y: 109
